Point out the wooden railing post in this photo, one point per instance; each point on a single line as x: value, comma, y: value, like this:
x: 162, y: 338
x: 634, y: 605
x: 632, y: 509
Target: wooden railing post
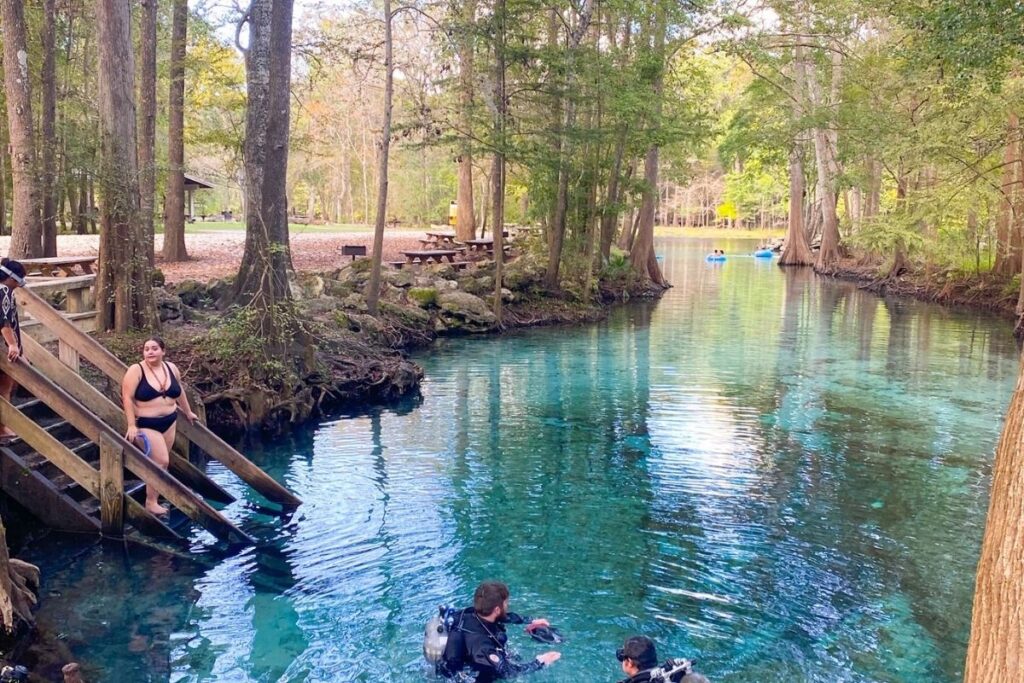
x: 111, y: 487
x: 68, y: 355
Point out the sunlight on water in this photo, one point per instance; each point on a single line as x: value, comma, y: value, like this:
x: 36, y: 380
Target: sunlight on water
x: 781, y: 477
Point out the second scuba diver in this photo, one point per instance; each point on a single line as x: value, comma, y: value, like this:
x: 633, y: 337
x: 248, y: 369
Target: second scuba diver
x: 639, y: 659
x: 477, y: 638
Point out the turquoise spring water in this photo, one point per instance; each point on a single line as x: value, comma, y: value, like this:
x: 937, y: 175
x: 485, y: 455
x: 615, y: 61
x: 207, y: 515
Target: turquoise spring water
x: 781, y: 477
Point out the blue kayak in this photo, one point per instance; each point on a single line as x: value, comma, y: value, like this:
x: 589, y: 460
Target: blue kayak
x: 715, y: 257
x: 763, y: 253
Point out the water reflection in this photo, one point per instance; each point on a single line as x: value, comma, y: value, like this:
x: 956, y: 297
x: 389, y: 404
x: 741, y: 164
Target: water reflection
x: 782, y: 476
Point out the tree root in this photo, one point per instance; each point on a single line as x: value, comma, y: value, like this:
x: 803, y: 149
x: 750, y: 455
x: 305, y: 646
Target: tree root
x: 19, y: 582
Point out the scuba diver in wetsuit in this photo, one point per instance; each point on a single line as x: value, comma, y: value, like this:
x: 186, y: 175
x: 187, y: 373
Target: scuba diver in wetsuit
x: 639, y: 660
x: 478, y: 640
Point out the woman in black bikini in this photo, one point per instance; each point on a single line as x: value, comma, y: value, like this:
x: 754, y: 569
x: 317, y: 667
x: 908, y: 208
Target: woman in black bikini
x: 151, y: 393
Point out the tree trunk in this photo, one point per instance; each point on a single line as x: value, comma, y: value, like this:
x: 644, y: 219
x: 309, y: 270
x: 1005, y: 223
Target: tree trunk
x: 124, y: 288
x: 49, y: 129
x: 465, y: 219
x: 19, y: 582
x: 174, y: 199
x: 995, y: 652
x: 373, y: 286
x: 796, y: 252
x: 262, y: 280
x: 1004, y: 218
x: 3, y: 186
x: 147, y: 122
x: 828, y: 254
x: 641, y: 255
x: 611, y: 211
x: 80, y: 220
x: 26, y: 229
x: 501, y: 105
x: 91, y: 209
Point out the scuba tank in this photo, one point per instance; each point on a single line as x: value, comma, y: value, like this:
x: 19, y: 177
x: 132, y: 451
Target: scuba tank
x: 435, y: 635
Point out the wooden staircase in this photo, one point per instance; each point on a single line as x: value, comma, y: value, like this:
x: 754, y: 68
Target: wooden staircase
x: 70, y: 465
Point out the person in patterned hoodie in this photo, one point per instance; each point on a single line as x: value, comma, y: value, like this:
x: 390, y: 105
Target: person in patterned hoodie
x: 12, y: 276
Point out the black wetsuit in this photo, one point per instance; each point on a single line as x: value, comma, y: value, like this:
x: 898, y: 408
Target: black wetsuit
x: 640, y: 677
x: 481, y: 646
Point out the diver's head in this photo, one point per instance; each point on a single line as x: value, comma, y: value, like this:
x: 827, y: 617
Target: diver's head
x: 637, y: 654
x: 490, y: 601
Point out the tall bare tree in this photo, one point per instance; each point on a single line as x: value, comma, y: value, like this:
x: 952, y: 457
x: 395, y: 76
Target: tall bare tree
x: 465, y: 220
x: 26, y: 229
x: 262, y: 280
x: 48, y: 124
x: 797, y: 251
x: 641, y: 255
x: 498, y: 175
x: 125, y: 286
x: 147, y: 121
x: 174, y: 201
x: 373, y: 286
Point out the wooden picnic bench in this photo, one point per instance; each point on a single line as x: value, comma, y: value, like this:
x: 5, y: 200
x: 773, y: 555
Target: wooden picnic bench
x: 63, y: 266
x: 428, y: 255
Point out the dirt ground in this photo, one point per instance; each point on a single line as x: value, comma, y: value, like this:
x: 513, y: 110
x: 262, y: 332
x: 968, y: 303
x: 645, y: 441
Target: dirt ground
x: 217, y: 254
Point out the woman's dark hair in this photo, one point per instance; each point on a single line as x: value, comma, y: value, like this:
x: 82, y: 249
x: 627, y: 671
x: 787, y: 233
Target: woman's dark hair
x: 488, y: 595
x: 14, y: 267
x: 158, y: 340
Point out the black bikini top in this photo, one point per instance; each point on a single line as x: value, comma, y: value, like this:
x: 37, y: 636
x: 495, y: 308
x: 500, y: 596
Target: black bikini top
x: 145, y: 391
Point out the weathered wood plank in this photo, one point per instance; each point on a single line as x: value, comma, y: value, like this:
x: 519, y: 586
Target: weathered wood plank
x: 144, y: 468
x: 111, y: 487
x: 68, y: 356
x: 61, y: 284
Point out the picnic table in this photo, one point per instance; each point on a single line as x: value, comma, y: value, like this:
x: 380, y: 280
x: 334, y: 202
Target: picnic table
x: 61, y: 265
x: 483, y: 244
x: 440, y: 238
x: 428, y: 255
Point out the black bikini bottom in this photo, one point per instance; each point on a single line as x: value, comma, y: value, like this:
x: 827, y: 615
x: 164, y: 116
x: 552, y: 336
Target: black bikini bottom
x: 159, y: 424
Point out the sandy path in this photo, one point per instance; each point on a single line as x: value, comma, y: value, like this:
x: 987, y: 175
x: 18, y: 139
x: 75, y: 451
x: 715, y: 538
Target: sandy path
x: 216, y: 254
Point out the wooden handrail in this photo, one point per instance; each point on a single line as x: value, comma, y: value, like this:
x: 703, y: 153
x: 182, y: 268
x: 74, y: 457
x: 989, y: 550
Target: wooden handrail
x: 142, y: 467
x: 108, y: 411
x: 113, y: 368
x: 83, y: 474
x: 60, y: 284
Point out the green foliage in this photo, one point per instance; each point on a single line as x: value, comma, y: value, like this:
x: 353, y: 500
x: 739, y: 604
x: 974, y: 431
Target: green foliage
x: 256, y: 349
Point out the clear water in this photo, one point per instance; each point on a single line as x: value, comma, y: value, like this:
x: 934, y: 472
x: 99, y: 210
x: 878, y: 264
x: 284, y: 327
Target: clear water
x: 782, y: 477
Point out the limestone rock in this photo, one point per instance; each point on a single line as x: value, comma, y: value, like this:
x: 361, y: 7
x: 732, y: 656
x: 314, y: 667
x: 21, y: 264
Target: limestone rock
x: 193, y: 293
x: 354, y: 302
x: 424, y: 297
x: 307, y: 285
x: 338, y: 289
x: 412, y: 315
x: 399, y: 278
x: 466, y: 312
x: 168, y: 306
